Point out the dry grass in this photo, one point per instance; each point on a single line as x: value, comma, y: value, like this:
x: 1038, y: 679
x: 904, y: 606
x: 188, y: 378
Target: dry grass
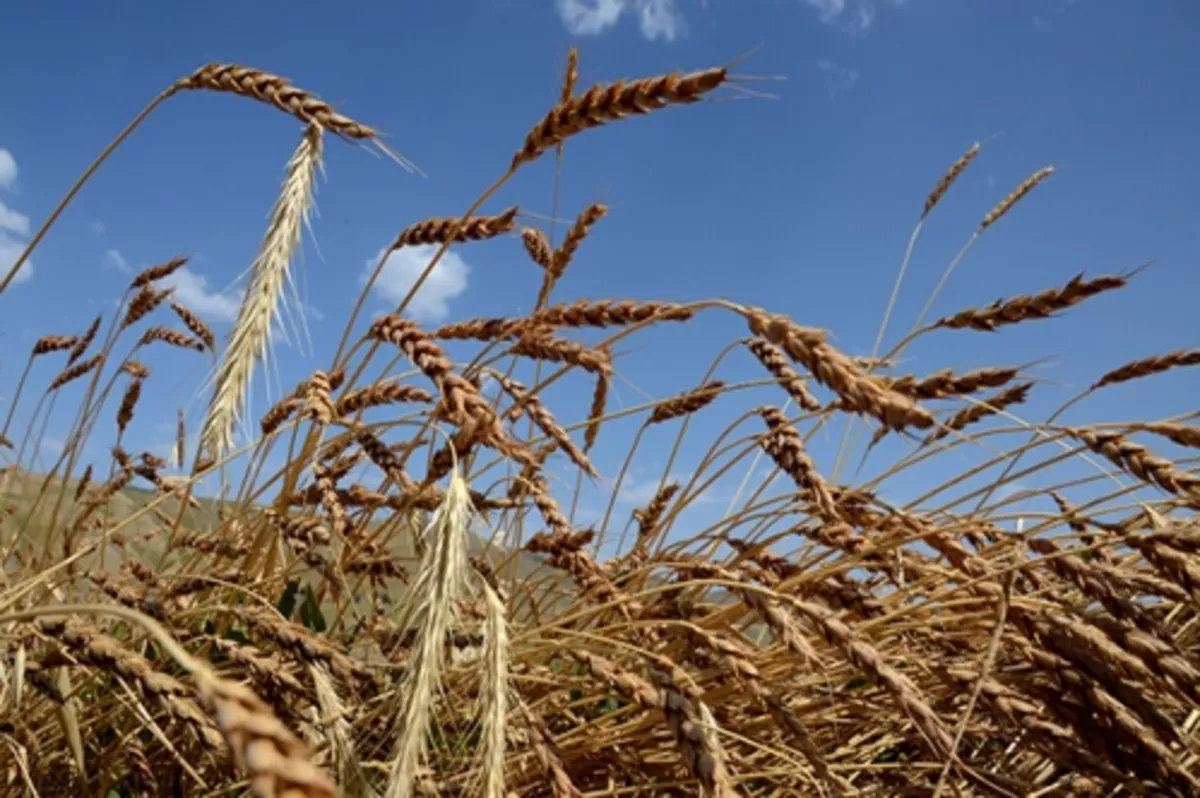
x: 340, y: 619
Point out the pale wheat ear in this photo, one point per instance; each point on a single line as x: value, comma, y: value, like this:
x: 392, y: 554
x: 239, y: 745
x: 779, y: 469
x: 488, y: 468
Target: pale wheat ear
x: 440, y: 583
x: 493, y: 695
x: 250, y: 340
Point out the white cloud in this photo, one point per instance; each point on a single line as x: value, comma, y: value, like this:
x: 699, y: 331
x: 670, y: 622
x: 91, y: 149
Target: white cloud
x: 115, y: 260
x: 191, y: 290
x: 828, y: 10
x: 12, y: 221
x: 838, y: 79
x: 866, y: 18
x: 10, y: 250
x: 97, y: 227
x: 447, y: 281
x: 8, y: 170
x: 859, y: 18
x: 656, y: 18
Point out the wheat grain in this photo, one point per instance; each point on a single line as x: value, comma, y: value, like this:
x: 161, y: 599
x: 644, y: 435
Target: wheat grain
x: 776, y: 362
x: 277, y: 91
x: 128, y: 402
x: 538, y: 247
x: 1017, y: 194
x: 74, y: 373
x: 384, y: 393
x: 158, y: 272
x: 541, y: 415
x: 171, y: 338
x: 1036, y: 306
x: 596, y: 413
x: 686, y: 403
x: 445, y: 230
x: 53, y: 343
x: 558, y: 350
x: 143, y: 304
x: 1155, y: 364
x: 1137, y: 460
x: 860, y: 391
x: 947, y: 180
x: 196, y: 325
x: 85, y: 341
x: 981, y: 410
x: 602, y: 104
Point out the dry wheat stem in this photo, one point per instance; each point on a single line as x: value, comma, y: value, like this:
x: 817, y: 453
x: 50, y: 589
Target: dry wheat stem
x: 250, y: 339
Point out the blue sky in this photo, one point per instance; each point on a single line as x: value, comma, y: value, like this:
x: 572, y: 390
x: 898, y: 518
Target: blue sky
x: 802, y: 203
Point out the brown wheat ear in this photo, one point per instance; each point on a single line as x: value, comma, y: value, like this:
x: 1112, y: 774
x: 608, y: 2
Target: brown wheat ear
x: 571, y: 75
x: 686, y: 403
x: 1138, y: 460
x: 596, y: 413
x: 277, y: 91
x: 74, y: 373
x: 128, y: 403
x: 85, y: 341
x: 440, y: 230
x: 776, y: 362
x: 144, y: 303
x: 1155, y: 364
x: 135, y: 369
x: 947, y: 180
x: 987, y: 407
x: 1017, y: 194
x: 559, y: 350
x: 196, y: 325
x: 603, y: 104
x: 53, y: 343
x: 153, y: 273
x: 1036, y: 306
x: 538, y: 247
x: 171, y: 337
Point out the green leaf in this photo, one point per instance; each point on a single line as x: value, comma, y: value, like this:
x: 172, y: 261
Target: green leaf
x: 310, y: 611
x: 287, y: 602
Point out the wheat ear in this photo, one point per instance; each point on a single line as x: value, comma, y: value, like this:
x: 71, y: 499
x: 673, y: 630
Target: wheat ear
x: 440, y: 583
x: 270, y: 272
x: 494, y: 695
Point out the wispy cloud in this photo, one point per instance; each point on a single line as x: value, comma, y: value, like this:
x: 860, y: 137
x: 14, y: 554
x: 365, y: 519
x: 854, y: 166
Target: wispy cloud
x: 12, y: 222
x: 432, y: 302
x: 838, y: 79
x: 10, y: 250
x: 851, y: 17
x: 97, y: 226
x: 634, y: 491
x: 191, y: 289
x: 115, y: 260
x: 656, y: 18
x: 8, y: 170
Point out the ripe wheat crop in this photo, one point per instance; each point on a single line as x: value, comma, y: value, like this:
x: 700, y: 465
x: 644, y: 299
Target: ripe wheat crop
x: 411, y: 605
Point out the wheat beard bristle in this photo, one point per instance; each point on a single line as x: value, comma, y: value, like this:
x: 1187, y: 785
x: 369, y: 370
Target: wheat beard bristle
x: 439, y: 585
x: 250, y: 340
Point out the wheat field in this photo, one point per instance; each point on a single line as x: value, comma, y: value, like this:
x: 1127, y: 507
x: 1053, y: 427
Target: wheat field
x: 410, y: 604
